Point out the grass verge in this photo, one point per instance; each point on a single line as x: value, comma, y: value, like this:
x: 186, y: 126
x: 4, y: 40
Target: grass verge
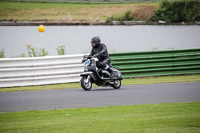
x: 135, y: 81
x: 152, y: 118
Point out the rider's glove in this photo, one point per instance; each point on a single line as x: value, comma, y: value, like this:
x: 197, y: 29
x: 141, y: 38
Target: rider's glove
x: 96, y: 55
x: 85, y: 56
x: 83, y: 60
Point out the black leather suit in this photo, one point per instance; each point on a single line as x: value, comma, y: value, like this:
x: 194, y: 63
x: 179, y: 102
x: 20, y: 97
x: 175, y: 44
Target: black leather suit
x: 103, y: 56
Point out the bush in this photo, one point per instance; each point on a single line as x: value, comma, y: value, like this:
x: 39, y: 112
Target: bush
x: 127, y: 16
x: 2, y: 53
x: 36, y: 53
x: 61, y: 50
x: 178, y: 11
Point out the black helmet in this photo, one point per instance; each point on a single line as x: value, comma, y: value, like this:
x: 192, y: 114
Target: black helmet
x: 95, y: 40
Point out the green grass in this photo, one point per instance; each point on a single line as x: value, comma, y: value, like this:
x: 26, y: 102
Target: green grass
x: 153, y: 118
x: 63, y: 11
x: 29, y: 5
x: 162, y: 79
x: 41, y: 87
x: 136, y: 81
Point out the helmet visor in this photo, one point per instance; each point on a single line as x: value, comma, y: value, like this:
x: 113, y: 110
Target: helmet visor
x: 93, y: 44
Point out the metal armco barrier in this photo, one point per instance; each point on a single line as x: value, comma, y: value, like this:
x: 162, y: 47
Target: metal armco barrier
x: 157, y: 63
x: 40, y: 70
x: 67, y: 68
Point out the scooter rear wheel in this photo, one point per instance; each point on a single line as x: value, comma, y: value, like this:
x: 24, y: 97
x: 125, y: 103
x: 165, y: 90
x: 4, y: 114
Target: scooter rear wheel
x: 116, y: 84
x: 86, y: 85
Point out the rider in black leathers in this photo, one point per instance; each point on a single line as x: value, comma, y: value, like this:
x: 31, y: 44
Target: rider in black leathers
x: 100, y: 51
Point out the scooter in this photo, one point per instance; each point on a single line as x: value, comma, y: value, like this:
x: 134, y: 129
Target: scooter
x: 100, y: 77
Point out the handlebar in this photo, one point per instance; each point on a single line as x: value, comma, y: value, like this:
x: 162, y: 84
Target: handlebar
x: 87, y: 56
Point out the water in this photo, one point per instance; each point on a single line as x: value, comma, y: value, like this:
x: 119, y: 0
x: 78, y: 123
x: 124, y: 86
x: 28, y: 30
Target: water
x: 117, y: 38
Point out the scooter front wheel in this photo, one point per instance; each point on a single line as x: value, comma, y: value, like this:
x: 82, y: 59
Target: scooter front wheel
x: 86, y: 83
x: 116, y: 84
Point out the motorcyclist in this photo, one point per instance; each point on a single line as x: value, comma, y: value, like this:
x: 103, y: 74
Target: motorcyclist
x: 100, y: 51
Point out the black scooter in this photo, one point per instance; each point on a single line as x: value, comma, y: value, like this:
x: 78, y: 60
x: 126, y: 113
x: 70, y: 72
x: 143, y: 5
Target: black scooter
x: 100, y: 77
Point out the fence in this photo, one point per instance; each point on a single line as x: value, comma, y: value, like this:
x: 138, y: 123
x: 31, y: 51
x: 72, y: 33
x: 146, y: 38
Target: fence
x: 40, y: 70
x: 67, y: 68
x: 157, y: 63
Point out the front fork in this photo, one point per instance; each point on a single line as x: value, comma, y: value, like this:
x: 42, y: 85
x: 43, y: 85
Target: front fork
x: 88, y: 79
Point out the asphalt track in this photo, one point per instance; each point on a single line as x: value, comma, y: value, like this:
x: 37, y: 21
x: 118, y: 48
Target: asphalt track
x: 99, y: 97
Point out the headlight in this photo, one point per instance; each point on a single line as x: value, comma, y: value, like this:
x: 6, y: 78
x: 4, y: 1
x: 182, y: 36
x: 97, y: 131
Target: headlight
x: 87, y: 63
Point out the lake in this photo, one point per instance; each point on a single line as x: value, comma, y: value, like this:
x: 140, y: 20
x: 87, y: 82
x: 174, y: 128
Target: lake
x: 13, y: 39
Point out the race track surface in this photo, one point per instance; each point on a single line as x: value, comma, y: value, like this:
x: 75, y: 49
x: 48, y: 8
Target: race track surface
x: 99, y: 97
